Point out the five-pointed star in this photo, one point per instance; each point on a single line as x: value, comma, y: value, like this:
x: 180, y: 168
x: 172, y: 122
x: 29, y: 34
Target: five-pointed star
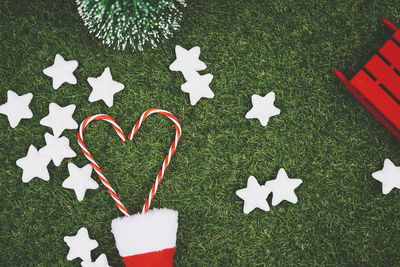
x: 198, y: 88
x: 187, y: 62
x: 389, y: 176
x: 61, y: 71
x: 254, y: 196
x: 101, y: 261
x: 59, y: 118
x: 80, y: 180
x: 57, y: 148
x: 283, y: 188
x: 16, y: 107
x: 263, y: 108
x: 104, y: 88
x: 34, y: 165
x: 80, y: 245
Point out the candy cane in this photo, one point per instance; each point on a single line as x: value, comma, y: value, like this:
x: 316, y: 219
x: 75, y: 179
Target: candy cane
x: 94, y: 164
x: 170, y: 152
x: 120, y: 133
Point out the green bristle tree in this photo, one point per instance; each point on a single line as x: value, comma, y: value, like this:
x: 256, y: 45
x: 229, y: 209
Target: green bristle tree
x: 134, y: 23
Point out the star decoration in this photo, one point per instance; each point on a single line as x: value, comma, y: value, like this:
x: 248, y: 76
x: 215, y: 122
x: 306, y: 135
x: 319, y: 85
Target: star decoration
x: 254, y: 195
x: 101, y: 261
x: 198, y: 88
x: 79, y: 180
x: 389, y: 176
x: 34, y: 165
x: 17, y: 107
x: 59, y: 118
x: 80, y: 245
x: 57, y: 148
x: 283, y: 188
x: 104, y: 87
x: 61, y: 71
x: 187, y: 62
x: 263, y: 108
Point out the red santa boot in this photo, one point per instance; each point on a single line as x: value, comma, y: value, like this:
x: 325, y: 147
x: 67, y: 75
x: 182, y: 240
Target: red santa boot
x: 147, y: 239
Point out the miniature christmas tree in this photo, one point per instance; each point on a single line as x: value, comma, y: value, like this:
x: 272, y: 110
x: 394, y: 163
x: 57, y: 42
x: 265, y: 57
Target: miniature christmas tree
x: 134, y: 23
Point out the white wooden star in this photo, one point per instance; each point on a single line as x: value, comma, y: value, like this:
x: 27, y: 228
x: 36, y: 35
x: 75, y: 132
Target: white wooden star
x: 57, y: 148
x: 198, y: 88
x: 61, y: 71
x: 263, y: 108
x: 101, y: 261
x: 283, y: 188
x: 34, y: 165
x: 187, y: 62
x: 60, y: 118
x: 389, y: 176
x: 80, y: 180
x: 104, y: 87
x: 254, y: 195
x: 80, y: 245
x: 16, y: 107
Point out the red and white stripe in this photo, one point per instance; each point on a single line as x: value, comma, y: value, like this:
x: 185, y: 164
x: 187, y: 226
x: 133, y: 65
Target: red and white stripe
x: 94, y: 164
x: 170, y: 152
x: 120, y: 133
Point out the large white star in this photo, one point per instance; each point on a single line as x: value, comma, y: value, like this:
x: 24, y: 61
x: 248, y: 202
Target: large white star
x: 283, y: 188
x: 198, y: 88
x: 104, y: 87
x: 16, y: 107
x: 80, y: 245
x: 254, y: 196
x: 34, y: 165
x: 61, y: 71
x: 60, y: 118
x: 187, y: 62
x: 101, y: 261
x: 80, y: 180
x: 389, y: 176
x: 263, y: 108
x: 57, y: 148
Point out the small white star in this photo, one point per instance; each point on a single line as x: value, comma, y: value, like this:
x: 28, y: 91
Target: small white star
x: 57, y: 148
x: 389, y: 176
x: 104, y: 87
x: 263, y: 108
x: 254, y: 196
x: 34, y: 165
x: 80, y: 245
x: 187, y: 62
x: 16, y: 107
x: 101, y: 261
x: 283, y: 188
x: 198, y: 88
x: 80, y: 180
x: 61, y: 71
x: 59, y: 118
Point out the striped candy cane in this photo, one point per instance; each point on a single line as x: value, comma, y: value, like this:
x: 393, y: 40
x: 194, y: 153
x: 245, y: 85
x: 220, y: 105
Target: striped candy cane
x: 94, y: 164
x: 170, y: 152
x: 120, y: 133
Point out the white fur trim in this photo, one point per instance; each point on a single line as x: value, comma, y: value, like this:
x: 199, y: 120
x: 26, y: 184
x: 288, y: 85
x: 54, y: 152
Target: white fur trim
x: 143, y: 233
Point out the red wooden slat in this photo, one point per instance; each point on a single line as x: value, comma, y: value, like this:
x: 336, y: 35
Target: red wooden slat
x: 396, y: 35
x: 377, y: 97
x: 391, y: 51
x: 383, y: 73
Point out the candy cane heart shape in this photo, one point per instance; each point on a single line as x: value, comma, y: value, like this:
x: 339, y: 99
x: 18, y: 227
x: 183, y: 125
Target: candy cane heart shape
x: 147, y: 238
x: 122, y: 137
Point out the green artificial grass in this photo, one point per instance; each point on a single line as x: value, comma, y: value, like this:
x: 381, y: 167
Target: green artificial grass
x: 323, y: 135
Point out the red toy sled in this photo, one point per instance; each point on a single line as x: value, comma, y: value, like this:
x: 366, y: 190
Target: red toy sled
x: 377, y: 85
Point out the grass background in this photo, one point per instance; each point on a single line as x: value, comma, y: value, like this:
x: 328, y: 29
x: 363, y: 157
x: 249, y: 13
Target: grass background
x: 323, y: 135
